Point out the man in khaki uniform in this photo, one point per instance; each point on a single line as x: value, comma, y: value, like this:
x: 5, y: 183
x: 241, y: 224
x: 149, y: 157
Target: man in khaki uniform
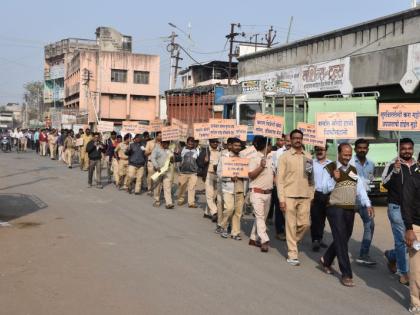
x: 122, y: 180
x: 233, y: 197
x: 69, y: 145
x: 295, y: 189
x: 84, y: 158
x: 52, y: 142
x: 207, y: 162
x: 261, y: 175
x: 150, y: 145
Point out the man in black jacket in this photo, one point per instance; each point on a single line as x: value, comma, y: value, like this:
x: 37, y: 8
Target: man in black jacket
x: 94, y: 149
x: 136, y: 161
x: 394, y: 177
x: 411, y: 216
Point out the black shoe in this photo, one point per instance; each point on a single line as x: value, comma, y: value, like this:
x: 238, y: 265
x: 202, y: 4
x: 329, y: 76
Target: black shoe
x: 316, y: 246
x: 214, y: 218
x: 169, y: 206
x: 207, y: 216
x: 219, y: 230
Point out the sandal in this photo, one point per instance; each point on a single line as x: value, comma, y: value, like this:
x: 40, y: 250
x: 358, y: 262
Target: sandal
x: 347, y: 282
x: 328, y: 270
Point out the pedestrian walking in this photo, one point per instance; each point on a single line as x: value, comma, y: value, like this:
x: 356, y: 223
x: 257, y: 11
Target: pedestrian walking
x: 296, y: 191
x: 345, y: 187
x: 94, y: 149
x: 150, y: 145
x: 394, y: 177
x: 320, y: 201
x: 69, y: 149
x: 136, y: 164
x: 261, y: 175
x: 120, y: 150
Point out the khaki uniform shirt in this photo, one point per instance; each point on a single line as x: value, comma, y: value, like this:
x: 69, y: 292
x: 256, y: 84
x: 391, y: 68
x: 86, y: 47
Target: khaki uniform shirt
x: 86, y: 140
x: 52, y: 139
x: 150, y: 145
x: 265, y: 179
x: 214, y: 159
x: 120, y: 151
x: 292, y: 181
x: 69, y: 143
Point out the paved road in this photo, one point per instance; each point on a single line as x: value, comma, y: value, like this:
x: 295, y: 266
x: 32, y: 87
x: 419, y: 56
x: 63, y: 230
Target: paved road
x: 73, y: 250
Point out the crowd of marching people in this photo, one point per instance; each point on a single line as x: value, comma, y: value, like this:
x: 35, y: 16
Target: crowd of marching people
x: 285, y: 182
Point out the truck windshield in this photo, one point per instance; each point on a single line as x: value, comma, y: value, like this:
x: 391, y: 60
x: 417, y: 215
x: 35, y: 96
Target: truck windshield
x: 247, y: 113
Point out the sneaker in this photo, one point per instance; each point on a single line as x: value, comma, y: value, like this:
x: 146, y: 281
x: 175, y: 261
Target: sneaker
x: 224, y: 234
x: 293, y: 262
x: 219, y: 230
x: 365, y: 261
x: 316, y: 245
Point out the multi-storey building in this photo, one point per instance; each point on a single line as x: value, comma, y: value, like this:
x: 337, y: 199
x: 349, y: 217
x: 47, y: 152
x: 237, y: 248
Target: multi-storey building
x: 103, y: 79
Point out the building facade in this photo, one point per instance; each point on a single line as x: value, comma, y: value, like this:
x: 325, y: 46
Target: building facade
x: 102, y: 79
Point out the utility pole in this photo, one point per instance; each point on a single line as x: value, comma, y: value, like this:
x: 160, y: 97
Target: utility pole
x: 270, y: 36
x: 231, y: 37
x: 171, y: 48
x: 290, y: 29
x: 176, y: 67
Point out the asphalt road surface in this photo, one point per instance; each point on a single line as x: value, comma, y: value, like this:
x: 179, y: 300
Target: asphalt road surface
x: 74, y: 250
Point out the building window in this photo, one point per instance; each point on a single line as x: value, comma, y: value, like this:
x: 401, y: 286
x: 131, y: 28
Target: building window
x: 140, y: 98
x: 118, y: 75
x: 118, y: 96
x: 141, y: 77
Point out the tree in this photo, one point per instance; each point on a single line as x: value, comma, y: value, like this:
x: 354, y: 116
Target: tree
x: 34, y: 98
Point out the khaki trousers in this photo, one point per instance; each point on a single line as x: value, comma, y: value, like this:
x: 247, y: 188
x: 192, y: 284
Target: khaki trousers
x: 122, y: 173
x: 135, y: 173
x: 232, y: 208
x: 84, y: 159
x: 261, y: 206
x: 213, y: 198
x: 60, y: 153
x: 68, y: 156
x: 187, y: 181
x: 150, y: 172
x: 53, y: 148
x: 43, y: 148
x: 115, y: 170
x: 414, y: 258
x: 166, y: 183
x: 297, y: 223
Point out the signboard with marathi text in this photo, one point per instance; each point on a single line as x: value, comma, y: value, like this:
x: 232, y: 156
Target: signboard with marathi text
x: 399, y: 116
x: 309, y: 135
x: 201, y: 131
x: 241, y: 132
x: 170, y: 133
x: 222, y: 128
x: 183, y: 128
x: 338, y: 125
x: 235, y: 167
x: 105, y: 126
x: 130, y: 127
x: 155, y: 125
x: 268, y: 125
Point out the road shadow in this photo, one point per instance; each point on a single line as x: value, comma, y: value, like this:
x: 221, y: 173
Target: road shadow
x: 28, y: 183
x: 28, y: 171
x: 13, y: 206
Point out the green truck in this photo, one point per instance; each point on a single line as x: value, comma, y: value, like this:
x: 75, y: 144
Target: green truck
x: 300, y: 108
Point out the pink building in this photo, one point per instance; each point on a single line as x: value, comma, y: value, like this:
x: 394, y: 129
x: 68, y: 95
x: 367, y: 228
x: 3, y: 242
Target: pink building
x: 102, y: 78
x: 113, y: 86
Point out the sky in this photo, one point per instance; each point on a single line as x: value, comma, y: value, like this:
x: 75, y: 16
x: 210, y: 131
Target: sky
x: 26, y: 26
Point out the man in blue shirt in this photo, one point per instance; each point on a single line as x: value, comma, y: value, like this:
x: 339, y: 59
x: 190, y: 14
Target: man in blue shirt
x: 319, y: 203
x: 365, y: 170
